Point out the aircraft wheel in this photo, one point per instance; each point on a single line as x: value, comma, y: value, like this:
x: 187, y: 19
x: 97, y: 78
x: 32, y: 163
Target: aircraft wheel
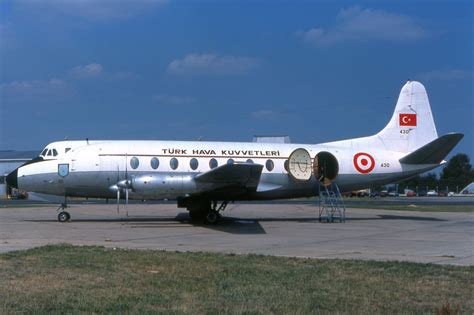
x: 64, y: 216
x: 212, y: 217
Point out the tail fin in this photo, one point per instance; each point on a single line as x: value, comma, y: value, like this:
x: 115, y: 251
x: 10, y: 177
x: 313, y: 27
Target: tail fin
x: 412, y: 125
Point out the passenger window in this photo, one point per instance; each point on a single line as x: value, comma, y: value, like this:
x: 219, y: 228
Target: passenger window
x: 154, y: 162
x: 194, y: 163
x: 269, y: 165
x: 134, y: 162
x: 174, y: 163
x: 230, y: 161
x: 49, y: 153
x: 249, y: 161
x: 286, y: 165
x: 55, y: 153
x: 67, y: 150
x: 212, y: 163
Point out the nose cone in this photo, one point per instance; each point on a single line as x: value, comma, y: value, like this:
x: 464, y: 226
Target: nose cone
x: 12, y: 179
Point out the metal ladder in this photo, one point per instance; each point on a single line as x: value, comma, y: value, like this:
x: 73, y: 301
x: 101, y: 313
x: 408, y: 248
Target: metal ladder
x: 331, y: 205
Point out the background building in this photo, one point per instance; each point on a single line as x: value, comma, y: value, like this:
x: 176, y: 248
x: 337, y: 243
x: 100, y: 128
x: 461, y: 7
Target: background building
x: 9, y: 161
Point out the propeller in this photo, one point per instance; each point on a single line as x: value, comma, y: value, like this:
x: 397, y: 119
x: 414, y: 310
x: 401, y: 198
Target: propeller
x: 118, y: 189
x: 125, y: 184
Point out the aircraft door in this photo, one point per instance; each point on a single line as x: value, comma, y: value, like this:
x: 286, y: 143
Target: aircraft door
x: 325, y: 167
x: 85, y: 160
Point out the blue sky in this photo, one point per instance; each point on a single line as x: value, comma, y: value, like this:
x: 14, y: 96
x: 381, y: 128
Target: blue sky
x: 227, y: 70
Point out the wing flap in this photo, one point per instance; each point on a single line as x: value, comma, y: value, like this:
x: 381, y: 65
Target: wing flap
x: 435, y: 151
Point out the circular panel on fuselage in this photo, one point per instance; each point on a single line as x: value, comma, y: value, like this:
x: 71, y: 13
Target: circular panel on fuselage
x: 299, y: 165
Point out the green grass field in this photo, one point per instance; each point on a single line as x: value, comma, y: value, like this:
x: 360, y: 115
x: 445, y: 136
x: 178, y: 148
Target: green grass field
x: 65, y: 279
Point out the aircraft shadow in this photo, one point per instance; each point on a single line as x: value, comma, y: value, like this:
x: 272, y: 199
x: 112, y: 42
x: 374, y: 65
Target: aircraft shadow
x: 182, y: 220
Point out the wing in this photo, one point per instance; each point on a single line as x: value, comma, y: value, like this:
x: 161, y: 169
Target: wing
x: 243, y: 176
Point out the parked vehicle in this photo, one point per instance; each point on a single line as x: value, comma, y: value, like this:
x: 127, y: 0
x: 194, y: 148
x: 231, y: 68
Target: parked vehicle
x: 18, y: 195
x: 410, y: 193
x: 383, y: 193
x: 432, y: 193
x: 443, y: 193
x: 374, y: 194
x: 393, y: 194
x: 359, y: 193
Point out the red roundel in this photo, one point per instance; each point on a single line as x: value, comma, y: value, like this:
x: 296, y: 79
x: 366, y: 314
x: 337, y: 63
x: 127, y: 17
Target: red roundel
x: 364, y: 162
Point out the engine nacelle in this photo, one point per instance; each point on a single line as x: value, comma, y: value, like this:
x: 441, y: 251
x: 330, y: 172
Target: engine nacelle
x: 166, y: 186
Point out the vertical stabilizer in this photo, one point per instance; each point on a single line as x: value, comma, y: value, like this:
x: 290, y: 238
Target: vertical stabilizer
x: 412, y: 124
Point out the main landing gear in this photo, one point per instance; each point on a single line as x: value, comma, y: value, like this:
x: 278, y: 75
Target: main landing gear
x: 63, y: 215
x: 205, y: 210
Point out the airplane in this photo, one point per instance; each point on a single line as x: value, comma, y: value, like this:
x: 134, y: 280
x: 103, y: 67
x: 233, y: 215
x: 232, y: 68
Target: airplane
x: 199, y: 174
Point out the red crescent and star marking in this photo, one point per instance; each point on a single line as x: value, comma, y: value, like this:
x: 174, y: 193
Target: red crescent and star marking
x: 364, y: 163
x: 407, y: 119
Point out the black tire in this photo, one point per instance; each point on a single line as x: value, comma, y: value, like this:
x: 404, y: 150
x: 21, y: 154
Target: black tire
x: 212, y: 217
x: 64, y: 216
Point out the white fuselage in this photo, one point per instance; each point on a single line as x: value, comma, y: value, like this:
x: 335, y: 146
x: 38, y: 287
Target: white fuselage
x: 169, y: 168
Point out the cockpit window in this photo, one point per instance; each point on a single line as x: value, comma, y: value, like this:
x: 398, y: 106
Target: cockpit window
x: 55, y: 153
x: 44, y: 152
x: 49, y: 153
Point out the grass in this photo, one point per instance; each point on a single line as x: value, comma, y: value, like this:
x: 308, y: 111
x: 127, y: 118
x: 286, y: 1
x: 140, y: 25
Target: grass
x: 69, y: 279
x: 25, y: 205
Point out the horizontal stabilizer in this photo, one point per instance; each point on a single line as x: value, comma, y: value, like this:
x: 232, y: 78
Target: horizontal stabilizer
x: 435, y: 151
x: 239, y: 174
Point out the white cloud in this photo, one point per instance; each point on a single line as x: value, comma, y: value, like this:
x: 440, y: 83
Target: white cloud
x: 357, y: 24
x: 446, y: 75
x: 173, y: 99
x: 92, y: 70
x: 95, y: 9
x: 34, y: 90
x: 212, y: 64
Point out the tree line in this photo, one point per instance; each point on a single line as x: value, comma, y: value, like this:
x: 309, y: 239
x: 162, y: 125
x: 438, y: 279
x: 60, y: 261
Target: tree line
x: 456, y: 175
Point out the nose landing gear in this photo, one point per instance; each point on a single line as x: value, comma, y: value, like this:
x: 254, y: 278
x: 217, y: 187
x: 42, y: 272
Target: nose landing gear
x: 63, y: 215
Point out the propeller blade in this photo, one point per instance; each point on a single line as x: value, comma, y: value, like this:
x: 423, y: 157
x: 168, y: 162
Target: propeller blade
x: 118, y: 200
x: 126, y: 167
x: 126, y: 201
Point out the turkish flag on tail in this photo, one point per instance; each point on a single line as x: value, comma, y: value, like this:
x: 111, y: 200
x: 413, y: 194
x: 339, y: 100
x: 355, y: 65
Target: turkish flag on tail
x: 407, y: 119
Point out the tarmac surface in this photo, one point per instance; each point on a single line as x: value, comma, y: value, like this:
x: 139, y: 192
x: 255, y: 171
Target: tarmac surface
x: 289, y: 229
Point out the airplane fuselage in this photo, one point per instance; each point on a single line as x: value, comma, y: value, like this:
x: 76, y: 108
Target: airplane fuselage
x: 166, y: 169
